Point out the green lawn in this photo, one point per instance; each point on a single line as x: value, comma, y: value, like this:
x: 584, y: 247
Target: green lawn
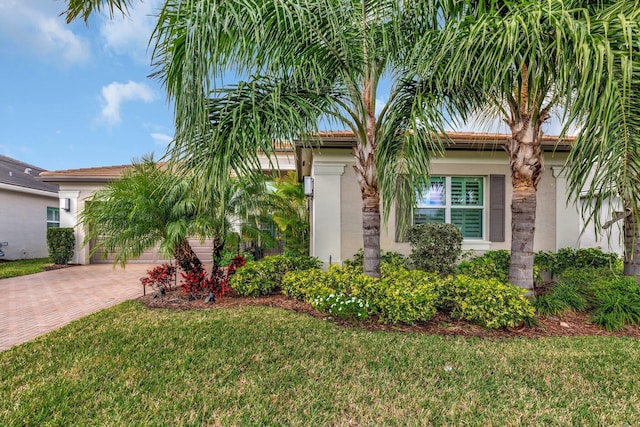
x: 22, y: 267
x: 264, y: 366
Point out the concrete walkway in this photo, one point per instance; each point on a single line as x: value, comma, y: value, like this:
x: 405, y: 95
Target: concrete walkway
x: 35, y: 304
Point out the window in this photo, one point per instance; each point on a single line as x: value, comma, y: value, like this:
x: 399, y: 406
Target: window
x: 457, y: 200
x: 53, y: 217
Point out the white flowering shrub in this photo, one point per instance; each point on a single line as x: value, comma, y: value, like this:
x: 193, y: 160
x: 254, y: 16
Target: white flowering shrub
x: 343, y: 306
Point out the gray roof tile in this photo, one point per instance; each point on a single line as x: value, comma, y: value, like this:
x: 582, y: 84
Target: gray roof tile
x: 20, y: 174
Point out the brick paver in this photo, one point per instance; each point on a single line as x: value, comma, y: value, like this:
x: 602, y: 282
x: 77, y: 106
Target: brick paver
x: 35, y: 304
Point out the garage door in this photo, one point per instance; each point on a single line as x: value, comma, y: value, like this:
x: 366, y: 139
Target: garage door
x: 203, y: 250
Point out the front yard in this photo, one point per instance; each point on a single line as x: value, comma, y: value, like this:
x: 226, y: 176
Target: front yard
x: 130, y: 365
x: 22, y: 267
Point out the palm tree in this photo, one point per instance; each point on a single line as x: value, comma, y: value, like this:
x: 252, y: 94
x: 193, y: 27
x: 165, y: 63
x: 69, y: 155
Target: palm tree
x: 148, y: 205
x: 224, y: 211
x: 151, y: 204
x: 285, y: 206
x: 526, y: 58
x: 604, y: 164
x: 305, y: 63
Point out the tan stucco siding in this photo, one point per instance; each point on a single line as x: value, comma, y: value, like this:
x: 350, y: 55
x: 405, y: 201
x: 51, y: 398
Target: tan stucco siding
x: 456, y: 163
x: 350, y: 212
x: 24, y: 224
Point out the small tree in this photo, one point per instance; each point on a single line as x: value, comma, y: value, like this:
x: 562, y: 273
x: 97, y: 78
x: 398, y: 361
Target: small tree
x: 285, y: 209
x: 435, y: 247
x: 61, y: 243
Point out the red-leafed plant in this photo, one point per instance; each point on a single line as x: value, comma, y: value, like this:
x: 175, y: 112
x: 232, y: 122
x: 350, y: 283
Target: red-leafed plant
x: 161, y: 277
x: 192, y: 283
x: 236, y: 262
x: 217, y: 283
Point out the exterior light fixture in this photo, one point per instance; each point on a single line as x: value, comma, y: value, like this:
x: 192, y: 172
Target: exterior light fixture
x: 308, y: 186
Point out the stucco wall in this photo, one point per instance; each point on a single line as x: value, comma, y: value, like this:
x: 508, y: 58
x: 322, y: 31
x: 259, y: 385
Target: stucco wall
x: 23, y: 223
x: 460, y: 163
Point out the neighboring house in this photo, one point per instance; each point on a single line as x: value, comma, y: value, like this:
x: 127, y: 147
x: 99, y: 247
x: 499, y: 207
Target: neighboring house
x: 78, y: 185
x: 470, y: 187
x: 28, y: 207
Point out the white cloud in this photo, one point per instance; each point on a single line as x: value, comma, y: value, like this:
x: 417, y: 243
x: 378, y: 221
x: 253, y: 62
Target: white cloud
x: 129, y: 35
x: 116, y: 93
x: 39, y: 29
x: 161, y: 139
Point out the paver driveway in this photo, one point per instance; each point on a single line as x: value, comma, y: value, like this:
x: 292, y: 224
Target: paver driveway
x: 35, y: 304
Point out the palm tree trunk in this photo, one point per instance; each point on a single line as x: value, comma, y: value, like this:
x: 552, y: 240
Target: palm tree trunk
x: 527, y: 164
x: 367, y: 175
x: 216, y: 255
x: 371, y: 233
x: 523, y: 220
x: 631, y: 247
x: 186, y: 257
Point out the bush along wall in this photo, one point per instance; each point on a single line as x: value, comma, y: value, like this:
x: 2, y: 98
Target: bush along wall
x: 612, y: 300
x: 548, y: 266
x: 61, y: 242
x: 409, y: 296
x: 263, y: 277
x: 435, y: 247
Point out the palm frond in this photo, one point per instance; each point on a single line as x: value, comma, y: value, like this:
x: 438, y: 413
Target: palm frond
x: 85, y: 8
x: 411, y: 130
x: 604, y: 163
x: 246, y: 121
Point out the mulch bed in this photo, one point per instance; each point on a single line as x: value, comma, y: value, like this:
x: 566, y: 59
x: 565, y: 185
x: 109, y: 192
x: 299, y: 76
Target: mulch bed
x: 58, y: 266
x: 570, y: 324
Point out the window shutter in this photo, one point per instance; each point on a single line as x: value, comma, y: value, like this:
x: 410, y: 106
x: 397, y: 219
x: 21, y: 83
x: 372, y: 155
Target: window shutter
x: 496, y: 208
x: 469, y: 221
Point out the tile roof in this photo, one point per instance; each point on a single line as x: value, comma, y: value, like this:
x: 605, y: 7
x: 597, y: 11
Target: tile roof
x: 460, y: 140
x: 95, y: 174
x: 16, y: 173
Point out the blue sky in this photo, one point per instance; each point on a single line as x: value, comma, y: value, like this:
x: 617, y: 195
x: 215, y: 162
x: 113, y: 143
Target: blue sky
x: 75, y: 96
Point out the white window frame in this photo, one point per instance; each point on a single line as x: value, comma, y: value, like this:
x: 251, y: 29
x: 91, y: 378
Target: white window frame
x: 50, y: 223
x: 448, y: 205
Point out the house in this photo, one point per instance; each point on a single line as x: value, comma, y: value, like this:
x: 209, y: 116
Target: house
x: 78, y: 185
x: 28, y: 207
x: 470, y: 186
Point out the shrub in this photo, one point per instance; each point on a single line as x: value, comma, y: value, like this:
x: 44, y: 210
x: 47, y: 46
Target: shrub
x: 61, y: 243
x: 392, y: 258
x: 265, y: 276
x: 550, y: 305
x: 568, y: 258
x: 406, y: 296
x: 251, y: 280
x: 572, y: 295
x: 616, y: 302
x: 160, y: 277
x: 616, y: 309
x: 306, y: 285
x: 193, y: 282
x: 400, y: 296
x: 435, y: 247
x: 491, y: 265
x: 227, y: 256
x: 342, y: 305
x: 488, y: 302
x: 587, y: 279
